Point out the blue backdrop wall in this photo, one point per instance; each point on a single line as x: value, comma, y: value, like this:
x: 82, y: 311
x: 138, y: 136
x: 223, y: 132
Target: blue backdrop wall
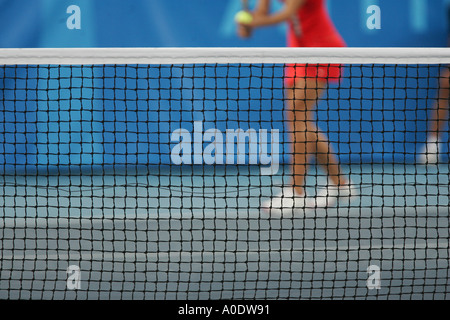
x: 40, y: 126
x: 205, y: 23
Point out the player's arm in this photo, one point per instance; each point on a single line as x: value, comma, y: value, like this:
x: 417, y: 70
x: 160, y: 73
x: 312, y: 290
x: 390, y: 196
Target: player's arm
x: 263, y: 18
x: 262, y: 8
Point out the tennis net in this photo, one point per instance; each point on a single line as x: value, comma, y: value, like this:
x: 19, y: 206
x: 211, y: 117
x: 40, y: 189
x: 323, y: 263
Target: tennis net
x: 145, y: 174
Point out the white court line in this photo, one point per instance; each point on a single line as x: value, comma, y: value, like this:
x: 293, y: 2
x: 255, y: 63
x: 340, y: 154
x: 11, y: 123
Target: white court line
x: 157, y: 256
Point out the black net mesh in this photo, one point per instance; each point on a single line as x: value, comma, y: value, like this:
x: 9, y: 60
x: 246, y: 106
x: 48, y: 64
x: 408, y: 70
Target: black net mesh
x: 176, y: 182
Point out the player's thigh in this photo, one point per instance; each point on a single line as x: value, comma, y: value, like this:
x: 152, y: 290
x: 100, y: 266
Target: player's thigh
x: 444, y: 78
x: 302, y: 98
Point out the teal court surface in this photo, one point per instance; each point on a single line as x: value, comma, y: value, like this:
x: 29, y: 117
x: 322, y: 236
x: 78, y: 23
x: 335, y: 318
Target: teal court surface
x: 198, y: 233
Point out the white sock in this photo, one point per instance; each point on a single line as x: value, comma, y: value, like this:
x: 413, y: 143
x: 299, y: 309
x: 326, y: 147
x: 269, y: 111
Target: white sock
x: 432, y: 146
x: 430, y: 152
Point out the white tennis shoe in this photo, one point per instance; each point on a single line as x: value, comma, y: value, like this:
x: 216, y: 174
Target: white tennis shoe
x: 287, y: 202
x: 429, y: 154
x: 330, y: 195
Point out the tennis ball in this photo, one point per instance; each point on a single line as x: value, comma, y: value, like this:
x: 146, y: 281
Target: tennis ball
x: 243, y: 17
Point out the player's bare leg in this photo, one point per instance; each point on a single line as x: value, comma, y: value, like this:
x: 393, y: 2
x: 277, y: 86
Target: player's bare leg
x: 438, y: 120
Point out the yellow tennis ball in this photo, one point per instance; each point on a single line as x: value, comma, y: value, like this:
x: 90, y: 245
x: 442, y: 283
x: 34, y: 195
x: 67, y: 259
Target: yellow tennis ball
x: 243, y: 17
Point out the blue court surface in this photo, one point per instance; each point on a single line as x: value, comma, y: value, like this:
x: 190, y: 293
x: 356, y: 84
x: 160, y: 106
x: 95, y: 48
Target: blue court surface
x: 198, y: 233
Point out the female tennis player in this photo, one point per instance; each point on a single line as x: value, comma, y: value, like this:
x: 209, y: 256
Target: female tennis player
x: 309, y: 26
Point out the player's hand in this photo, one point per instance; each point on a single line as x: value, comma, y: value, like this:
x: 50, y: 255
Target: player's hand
x: 244, y: 30
x: 259, y: 20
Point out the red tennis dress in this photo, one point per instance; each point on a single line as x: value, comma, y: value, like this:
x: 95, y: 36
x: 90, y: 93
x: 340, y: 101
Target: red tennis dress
x: 312, y: 27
